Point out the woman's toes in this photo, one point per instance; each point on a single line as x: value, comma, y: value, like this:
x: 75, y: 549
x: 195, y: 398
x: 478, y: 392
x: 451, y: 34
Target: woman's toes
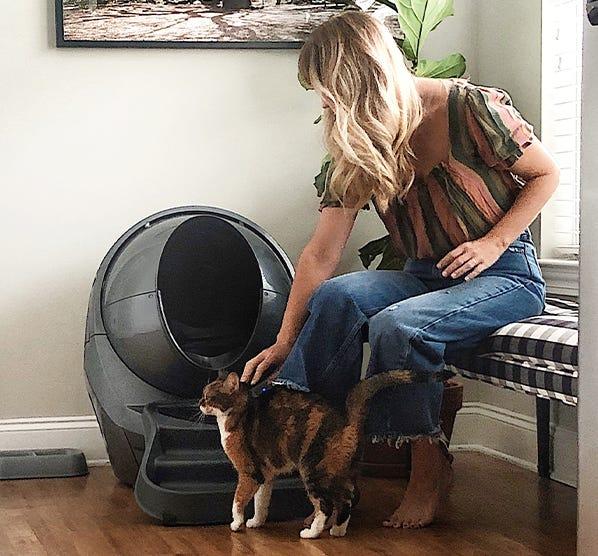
x: 399, y: 520
x: 417, y: 523
x: 395, y: 521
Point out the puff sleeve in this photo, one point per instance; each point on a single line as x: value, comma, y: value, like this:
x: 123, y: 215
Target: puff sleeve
x: 496, y: 127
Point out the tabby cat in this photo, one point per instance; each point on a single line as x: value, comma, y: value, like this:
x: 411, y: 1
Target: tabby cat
x: 282, y: 431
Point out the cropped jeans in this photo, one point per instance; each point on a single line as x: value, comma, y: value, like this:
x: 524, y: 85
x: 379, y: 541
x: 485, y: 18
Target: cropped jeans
x: 413, y: 319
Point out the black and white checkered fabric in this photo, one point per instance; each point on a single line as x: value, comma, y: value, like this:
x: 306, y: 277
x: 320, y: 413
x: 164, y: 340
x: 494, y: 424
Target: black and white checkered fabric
x: 538, y: 355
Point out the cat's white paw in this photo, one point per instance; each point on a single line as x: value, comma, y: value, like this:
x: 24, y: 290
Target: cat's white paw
x: 254, y: 523
x: 340, y: 530
x: 236, y: 525
x: 308, y: 534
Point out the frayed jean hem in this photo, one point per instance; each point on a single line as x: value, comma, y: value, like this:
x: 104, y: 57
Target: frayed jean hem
x: 396, y: 440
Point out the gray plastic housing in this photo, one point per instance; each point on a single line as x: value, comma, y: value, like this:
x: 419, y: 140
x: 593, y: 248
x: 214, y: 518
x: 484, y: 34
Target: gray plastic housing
x: 147, y: 286
x: 42, y: 464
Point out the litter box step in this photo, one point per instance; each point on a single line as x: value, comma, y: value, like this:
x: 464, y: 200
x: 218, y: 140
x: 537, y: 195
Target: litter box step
x: 193, y: 465
x: 185, y: 477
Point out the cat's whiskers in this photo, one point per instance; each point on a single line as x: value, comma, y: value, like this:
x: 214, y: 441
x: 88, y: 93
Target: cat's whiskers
x: 199, y: 417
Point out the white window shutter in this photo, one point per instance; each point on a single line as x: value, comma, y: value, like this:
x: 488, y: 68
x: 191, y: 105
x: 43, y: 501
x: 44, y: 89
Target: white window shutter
x: 561, y: 121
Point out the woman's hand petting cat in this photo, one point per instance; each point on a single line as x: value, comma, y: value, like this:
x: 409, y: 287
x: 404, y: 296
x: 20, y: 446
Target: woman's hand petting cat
x: 471, y: 258
x: 273, y: 356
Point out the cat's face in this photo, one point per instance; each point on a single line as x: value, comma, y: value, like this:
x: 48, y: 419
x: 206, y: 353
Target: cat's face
x: 220, y: 396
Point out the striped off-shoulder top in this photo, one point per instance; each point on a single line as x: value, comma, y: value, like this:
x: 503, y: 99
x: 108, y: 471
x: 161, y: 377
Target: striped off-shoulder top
x: 463, y: 197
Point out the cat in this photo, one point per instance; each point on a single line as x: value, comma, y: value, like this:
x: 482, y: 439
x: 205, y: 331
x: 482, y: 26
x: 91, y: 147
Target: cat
x: 282, y: 431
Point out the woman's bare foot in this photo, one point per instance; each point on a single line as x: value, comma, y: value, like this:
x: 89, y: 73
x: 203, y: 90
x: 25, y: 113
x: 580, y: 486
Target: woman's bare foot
x: 431, y: 477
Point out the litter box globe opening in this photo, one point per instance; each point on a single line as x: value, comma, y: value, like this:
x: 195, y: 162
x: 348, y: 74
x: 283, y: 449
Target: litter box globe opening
x: 210, y: 288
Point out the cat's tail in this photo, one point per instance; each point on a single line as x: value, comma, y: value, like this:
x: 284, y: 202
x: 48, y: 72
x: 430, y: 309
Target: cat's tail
x: 359, y: 397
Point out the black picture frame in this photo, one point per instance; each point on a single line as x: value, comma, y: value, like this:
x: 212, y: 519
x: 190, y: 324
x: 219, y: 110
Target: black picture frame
x: 62, y: 42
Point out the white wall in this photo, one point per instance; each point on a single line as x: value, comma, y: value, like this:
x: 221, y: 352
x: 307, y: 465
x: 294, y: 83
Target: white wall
x: 92, y: 140
x: 509, y: 52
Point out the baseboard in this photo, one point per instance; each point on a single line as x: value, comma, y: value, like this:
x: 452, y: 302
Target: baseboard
x: 81, y: 432
x: 511, y: 436
x: 479, y: 449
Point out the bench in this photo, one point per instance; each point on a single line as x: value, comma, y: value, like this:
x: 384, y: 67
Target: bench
x: 538, y: 356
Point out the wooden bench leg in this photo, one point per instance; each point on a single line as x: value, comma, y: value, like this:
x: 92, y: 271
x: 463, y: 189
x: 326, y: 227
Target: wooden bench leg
x: 543, y: 436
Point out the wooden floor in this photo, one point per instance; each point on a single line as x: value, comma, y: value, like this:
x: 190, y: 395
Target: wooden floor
x: 495, y: 508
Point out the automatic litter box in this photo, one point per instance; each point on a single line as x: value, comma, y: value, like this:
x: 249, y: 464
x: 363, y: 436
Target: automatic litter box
x: 182, y: 296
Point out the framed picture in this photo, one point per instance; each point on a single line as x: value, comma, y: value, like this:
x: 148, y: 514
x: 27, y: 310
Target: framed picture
x: 190, y: 23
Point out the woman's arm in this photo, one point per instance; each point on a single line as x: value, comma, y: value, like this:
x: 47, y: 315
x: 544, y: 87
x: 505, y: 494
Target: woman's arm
x: 541, y: 175
x: 317, y: 263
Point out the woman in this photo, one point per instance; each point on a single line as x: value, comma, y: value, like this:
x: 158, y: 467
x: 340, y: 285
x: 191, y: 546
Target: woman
x: 457, y: 175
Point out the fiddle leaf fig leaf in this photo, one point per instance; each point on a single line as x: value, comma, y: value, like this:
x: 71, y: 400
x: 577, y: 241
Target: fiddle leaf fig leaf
x: 390, y: 260
x: 452, y: 65
x: 372, y: 249
x: 418, y: 18
x: 381, y: 246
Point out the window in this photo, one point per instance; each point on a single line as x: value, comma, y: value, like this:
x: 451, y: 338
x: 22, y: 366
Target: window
x: 562, y: 28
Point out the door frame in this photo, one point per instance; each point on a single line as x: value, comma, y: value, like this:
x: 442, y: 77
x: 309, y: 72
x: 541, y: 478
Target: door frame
x: 587, y: 516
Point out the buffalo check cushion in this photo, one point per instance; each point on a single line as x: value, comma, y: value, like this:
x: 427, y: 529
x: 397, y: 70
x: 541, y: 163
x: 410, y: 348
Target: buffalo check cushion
x: 538, y: 355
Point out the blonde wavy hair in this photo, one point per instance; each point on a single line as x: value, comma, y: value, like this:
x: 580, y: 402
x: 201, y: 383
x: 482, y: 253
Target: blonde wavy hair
x: 353, y: 62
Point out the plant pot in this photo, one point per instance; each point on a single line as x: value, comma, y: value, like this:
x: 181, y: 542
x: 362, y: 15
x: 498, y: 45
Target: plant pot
x: 382, y: 460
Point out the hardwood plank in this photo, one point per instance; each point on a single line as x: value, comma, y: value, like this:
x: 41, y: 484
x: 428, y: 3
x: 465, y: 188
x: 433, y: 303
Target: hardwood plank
x: 495, y: 508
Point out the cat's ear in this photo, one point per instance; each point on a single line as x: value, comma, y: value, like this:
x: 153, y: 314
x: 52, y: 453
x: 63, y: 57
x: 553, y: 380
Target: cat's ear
x: 231, y: 382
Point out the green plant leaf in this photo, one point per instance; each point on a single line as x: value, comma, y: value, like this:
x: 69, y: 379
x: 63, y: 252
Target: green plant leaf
x: 418, y: 18
x: 372, y: 249
x: 452, y: 66
x: 381, y: 246
x: 390, y: 259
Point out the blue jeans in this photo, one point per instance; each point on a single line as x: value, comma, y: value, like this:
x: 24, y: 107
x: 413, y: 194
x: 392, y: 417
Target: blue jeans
x: 413, y: 319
